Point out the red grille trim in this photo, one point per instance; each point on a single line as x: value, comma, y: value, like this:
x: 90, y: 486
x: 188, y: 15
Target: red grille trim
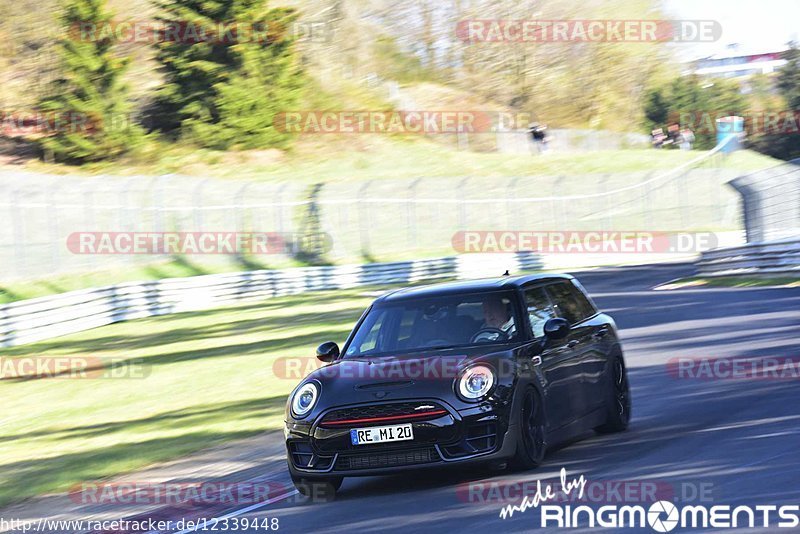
x: 384, y: 418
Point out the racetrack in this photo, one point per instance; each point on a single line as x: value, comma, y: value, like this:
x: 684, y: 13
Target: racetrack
x: 735, y: 441
x: 698, y: 441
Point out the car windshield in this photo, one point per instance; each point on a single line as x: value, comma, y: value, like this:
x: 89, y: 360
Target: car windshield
x: 436, y: 323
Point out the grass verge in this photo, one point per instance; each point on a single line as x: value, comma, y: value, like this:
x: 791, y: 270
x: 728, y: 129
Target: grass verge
x: 208, y: 378
x: 336, y: 158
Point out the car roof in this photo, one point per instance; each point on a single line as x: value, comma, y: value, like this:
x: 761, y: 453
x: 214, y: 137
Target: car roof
x: 468, y: 286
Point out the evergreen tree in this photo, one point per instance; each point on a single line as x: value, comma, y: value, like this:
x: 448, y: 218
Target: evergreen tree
x: 229, y: 69
x: 789, y: 77
x: 785, y: 145
x: 656, y: 109
x: 86, y: 111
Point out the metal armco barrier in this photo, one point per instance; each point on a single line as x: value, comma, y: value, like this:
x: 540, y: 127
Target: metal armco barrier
x: 779, y: 258
x: 43, y: 318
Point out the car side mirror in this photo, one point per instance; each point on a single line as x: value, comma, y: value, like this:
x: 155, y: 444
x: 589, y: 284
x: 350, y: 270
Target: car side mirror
x: 328, y: 351
x: 556, y: 328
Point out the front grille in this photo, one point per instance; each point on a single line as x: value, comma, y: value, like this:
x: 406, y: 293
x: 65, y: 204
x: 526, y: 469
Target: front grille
x: 387, y: 459
x: 384, y: 413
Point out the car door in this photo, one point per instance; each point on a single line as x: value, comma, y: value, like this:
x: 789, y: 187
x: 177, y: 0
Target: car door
x: 601, y: 342
x: 584, y: 338
x: 560, y: 366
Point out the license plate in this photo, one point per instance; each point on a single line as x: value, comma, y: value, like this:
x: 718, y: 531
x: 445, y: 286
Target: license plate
x: 381, y: 434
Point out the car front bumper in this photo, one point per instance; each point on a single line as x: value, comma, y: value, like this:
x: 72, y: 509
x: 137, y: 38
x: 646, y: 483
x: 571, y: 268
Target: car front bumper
x: 474, y: 435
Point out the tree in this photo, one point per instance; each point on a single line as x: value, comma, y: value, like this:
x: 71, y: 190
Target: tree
x: 696, y: 103
x: 789, y: 77
x: 785, y: 145
x: 85, y: 110
x: 224, y: 88
x: 656, y: 109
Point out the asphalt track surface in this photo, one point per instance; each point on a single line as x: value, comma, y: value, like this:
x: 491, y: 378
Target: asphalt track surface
x: 702, y: 441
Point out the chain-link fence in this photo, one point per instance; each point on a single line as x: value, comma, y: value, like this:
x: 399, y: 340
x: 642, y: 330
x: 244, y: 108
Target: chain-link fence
x: 771, y: 200
x: 375, y: 219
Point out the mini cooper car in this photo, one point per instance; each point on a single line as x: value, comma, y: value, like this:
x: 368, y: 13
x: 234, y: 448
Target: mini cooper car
x: 456, y: 374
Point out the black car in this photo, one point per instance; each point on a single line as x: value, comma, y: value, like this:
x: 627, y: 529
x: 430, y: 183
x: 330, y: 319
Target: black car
x: 458, y: 373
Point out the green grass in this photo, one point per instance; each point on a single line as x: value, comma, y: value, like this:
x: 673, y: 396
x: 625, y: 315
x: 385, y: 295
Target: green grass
x: 176, y: 267
x: 361, y: 157
x: 210, y: 380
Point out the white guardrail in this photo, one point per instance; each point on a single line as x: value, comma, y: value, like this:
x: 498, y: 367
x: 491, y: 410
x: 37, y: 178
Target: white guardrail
x: 43, y: 318
x: 777, y: 258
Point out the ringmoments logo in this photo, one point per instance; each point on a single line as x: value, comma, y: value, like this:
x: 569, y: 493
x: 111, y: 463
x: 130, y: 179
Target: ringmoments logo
x: 660, y: 516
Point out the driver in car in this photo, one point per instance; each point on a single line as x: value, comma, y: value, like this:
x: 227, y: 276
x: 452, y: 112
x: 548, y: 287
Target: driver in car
x: 496, y: 315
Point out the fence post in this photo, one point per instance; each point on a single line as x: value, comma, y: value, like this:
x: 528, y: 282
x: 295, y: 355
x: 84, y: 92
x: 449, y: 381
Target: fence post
x: 752, y: 209
x: 509, y: 195
x: 124, y: 212
x: 52, y: 226
x: 556, y: 205
x: 19, y: 233
x: 279, y: 208
x: 197, y: 196
x: 363, y: 218
x: 89, y: 216
x: 411, y: 213
x: 646, y: 204
x: 462, y: 208
x: 238, y: 201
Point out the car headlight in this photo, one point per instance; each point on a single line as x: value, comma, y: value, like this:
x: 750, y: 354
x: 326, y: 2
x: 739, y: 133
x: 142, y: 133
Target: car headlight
x: 304, y: 399
x: 475, y: 382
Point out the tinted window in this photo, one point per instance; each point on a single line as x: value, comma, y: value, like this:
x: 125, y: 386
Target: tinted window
x: 436, y: 322
x: 570, y: 302
x: 539, y: 309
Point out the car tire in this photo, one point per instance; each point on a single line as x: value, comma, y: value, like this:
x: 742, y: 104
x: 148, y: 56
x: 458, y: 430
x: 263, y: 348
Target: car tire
x: 618, y: 403
x: 531, y: 436
x: 318, y: 488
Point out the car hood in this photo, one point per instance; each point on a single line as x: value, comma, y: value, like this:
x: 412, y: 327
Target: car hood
x: 416, y: 375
